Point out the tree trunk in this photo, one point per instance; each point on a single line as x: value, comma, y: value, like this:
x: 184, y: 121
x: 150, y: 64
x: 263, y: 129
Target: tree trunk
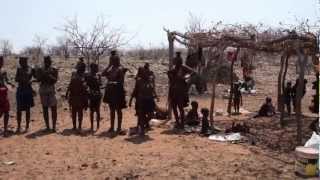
x: 283, y: 89
x: 214, y: 83
x: 171, y: 54
x: 231, y: 89
x: 279, y: 98
x: 213, y: 100
x: 231, y: 83
x: 302, y: 61
x: 285, y: 72
x: 98, y: 61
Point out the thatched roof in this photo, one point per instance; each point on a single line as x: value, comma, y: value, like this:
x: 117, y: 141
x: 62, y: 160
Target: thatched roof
x: 288, y: 42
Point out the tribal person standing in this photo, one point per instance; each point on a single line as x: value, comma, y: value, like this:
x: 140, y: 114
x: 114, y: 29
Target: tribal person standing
x: 145, y: 95
x: 4, y: 101
x: 115, y: 92
x: 24, y: 92
x: 94, y: 83
x: 48, y: 77
x: 77, y: 95
x: 178, y: 89
x: 113, y: 58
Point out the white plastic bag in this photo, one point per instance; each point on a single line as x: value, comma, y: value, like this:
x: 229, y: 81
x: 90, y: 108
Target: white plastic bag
x: 314, y: 141
x: 225, y: 137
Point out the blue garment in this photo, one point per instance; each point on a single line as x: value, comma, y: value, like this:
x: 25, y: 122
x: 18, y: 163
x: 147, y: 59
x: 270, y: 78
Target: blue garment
x: 24, y: 98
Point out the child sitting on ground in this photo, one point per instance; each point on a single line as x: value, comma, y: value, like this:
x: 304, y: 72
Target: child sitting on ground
x: 192, y: 118
x: 205, y: 121
x: 267, y: 109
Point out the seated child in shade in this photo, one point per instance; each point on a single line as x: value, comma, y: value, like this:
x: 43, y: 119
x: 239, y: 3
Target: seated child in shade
x: 267, y: 109
x: 205, y: 121
x: 192, y: 118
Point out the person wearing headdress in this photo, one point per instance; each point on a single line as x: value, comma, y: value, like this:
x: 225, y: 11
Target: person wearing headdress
x: 47, y: 76
x: 177, y: 59
x: 77, y: 96
x: 114, y: 92
x: 24, y: 94
x: 145, y: 94
x: 178, y: 89
x: 149, y: 73
x: 114, y: 58
x: 93, y: 81
x: 4, y: 100
x: 80, y: 63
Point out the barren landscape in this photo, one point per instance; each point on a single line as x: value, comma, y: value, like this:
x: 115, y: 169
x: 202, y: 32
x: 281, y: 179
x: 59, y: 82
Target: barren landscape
x: 164, y: 153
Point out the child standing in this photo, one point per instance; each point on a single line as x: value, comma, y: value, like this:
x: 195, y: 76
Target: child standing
x: 77, y: 95
x: 237, y: 98
x: 94, y: 83
x: 145, y: 95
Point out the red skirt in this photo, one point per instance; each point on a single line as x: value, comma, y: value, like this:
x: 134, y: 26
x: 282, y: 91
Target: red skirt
x: 4, y: 101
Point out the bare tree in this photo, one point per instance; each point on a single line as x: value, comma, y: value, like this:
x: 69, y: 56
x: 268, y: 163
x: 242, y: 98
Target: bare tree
x: 195, y: 24
x: 96, y: 42
x: 6, y: 48
x: 39, y: 47
x: 63, y: 47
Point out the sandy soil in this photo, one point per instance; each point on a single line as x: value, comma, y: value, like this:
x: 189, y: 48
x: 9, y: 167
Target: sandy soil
x: 163, y: 153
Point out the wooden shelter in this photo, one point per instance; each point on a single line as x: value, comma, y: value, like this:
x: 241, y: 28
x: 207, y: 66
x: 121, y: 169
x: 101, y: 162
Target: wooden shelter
x: 302, y: 45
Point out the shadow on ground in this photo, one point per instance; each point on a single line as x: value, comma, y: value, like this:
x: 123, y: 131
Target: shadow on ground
x: 174, y: 132
x: 39, y: 133
x: 72, y: 132
x: 139, y: 139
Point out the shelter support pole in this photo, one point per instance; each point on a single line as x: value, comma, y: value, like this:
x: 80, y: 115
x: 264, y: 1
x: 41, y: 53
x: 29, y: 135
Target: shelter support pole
x: 231, y: 90
x: 171, y: 54
x: 279, y: 97
x: 283, y: 84
x: 302, y: 61
x: 214, y: 84
x: 213, y: 97
x: 231, y: 82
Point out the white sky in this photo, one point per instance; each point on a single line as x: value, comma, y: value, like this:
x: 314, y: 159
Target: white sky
x: 22, y: 19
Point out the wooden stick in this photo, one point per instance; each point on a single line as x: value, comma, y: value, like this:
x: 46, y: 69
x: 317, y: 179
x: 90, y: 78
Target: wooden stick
x: 171, y: 53
x: 279, y: 97
x: 302, y: 61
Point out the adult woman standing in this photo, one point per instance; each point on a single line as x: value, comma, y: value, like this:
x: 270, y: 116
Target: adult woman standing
x: 24, y: 93
x: 115, y: 92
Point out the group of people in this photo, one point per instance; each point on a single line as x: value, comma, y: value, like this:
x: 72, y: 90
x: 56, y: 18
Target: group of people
x: 289, y: 99
x: 47, y: 76
x: 290, y: 94
x: 84, y: 91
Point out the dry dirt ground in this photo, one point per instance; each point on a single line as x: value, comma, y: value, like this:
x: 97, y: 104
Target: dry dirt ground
x: 163, y: 153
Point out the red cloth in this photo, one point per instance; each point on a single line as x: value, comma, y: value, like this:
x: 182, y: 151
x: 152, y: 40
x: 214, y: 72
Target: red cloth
x: 4, y: 101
